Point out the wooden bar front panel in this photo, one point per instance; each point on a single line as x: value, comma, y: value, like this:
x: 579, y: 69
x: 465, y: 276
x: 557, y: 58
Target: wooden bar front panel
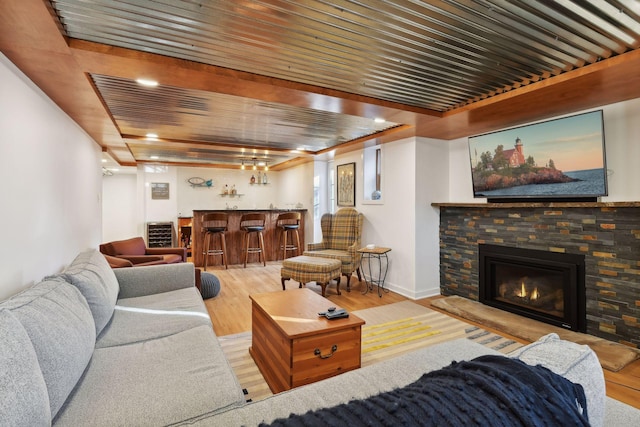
x: 234, y: 235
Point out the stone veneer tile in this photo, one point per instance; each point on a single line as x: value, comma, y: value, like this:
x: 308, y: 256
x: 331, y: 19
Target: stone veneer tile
x: 608, y: 236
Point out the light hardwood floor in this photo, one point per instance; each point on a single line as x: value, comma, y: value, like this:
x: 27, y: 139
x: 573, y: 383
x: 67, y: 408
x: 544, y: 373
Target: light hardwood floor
x: 230, y: 312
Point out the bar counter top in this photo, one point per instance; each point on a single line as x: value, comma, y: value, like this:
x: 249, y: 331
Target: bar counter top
x: 233, y: 235
x: 203, y: 211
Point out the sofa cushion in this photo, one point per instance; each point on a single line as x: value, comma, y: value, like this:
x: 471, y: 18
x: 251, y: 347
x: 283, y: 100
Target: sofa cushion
x: 60, y: 326
x: 154, y: 316
x: 23, y: 393
x: 342, y: 256
x: 577, y: 363
x: 155, y: 279
x: 91, y: 274
x: 158, y: 382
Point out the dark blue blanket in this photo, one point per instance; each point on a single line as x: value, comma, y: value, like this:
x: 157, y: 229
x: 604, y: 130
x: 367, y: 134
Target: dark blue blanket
x: 486, y: 391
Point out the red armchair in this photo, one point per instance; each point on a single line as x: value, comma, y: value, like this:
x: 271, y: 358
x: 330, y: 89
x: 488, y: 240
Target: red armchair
x: 134, y: 252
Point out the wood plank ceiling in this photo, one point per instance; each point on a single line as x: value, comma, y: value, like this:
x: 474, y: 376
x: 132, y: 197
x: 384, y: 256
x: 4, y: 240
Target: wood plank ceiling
x: 287, y: 79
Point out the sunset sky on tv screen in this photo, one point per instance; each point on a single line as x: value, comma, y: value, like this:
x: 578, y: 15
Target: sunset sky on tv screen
x: 574, y: 143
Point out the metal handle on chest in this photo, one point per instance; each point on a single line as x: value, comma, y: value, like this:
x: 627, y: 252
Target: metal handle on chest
x: 318, y: 353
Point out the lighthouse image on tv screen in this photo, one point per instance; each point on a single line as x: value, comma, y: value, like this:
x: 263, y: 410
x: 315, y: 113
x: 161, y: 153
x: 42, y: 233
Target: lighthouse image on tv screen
x: 561, y: 158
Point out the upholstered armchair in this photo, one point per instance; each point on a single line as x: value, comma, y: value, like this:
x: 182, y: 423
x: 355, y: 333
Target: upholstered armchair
x: 137, y: 253
x: 341, y: 239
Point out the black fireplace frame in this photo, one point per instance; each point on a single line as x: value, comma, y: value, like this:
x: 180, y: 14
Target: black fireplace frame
x: 571, y: 266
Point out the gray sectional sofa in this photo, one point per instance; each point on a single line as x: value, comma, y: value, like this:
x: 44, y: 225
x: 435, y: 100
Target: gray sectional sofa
x: 96, y: 346
x: 135, y: 347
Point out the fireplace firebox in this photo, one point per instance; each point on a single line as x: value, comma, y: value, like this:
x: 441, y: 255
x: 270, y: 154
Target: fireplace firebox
x: 542, y: 285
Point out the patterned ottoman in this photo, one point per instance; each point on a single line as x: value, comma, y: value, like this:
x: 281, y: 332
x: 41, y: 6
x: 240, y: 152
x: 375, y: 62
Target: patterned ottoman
x: 306, y: 269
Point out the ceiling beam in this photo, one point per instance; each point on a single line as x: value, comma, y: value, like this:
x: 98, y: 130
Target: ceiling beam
x: 96, y: 58
x: 605, y: 82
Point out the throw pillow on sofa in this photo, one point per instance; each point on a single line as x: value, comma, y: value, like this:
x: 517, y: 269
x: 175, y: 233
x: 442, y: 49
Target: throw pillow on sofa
x: 60, y: 327
x: 578, y: 363
x: 23, y: 394
x: 91, y: 274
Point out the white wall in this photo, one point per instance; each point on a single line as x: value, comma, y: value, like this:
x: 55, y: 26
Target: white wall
x: 321, y: 176
x: 256, y: 196
x: 50, y: 184
x: 432, y: 174
x: 621, y: 127
x: 296, y: 187
x: 391, y: 223
x: 119, y: 207
x: 131, y: 205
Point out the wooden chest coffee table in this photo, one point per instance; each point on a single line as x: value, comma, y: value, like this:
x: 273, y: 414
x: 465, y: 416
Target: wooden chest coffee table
x: 293, y: 346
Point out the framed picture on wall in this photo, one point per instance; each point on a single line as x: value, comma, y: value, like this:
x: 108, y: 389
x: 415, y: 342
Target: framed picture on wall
x: 159, y: 190
x: 347, y: 185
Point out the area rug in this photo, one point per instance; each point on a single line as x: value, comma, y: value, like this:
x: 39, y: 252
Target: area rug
x: 612, y: 356
x: 390, y: 331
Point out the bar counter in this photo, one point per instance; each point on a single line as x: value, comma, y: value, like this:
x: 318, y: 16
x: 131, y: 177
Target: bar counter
x: 234, y: 236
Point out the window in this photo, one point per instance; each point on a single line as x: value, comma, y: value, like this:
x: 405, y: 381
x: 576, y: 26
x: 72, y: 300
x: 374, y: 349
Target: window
x: 332, y: 188
x: 316, y: 196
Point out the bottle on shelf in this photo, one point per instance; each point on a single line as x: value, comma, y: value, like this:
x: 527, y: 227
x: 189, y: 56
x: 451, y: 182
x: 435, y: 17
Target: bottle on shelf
x: 253, y: 179
x: 226, y: 189
x: 233, y: 189
x: 259, y: 180
x: 264, y: 178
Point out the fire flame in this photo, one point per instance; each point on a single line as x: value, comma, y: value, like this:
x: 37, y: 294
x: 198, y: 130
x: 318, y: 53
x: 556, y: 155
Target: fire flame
x: 523, y: 291
x: 535, y: 294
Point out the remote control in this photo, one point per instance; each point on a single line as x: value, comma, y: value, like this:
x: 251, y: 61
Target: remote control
x: 338, y: 314
x: 329, y: 310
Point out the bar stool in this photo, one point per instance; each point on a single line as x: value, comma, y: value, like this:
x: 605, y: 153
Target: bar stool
x: 214, y: 224
x: 253, y: 223
x: 289, y: 222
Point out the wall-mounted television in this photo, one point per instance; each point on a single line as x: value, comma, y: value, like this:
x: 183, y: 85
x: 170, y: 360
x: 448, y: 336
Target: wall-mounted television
x: 560, y: 159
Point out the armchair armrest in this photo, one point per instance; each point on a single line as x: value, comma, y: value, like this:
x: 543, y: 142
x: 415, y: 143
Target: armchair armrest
x: 139, y: 281
x: 166, y: 251
x: 115, y: 262
x: 315, y: 246
x: 141, y: 259
x: 354, y: 254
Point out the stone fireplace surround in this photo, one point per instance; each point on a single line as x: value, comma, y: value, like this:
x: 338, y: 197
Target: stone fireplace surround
x: 608, y: 234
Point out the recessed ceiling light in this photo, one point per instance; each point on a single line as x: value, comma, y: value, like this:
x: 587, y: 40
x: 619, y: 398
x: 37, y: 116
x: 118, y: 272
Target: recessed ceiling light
x: 300, y: 149
x: 154, y: 157
x: 104, y: 160
x: 379, y: 120
x: 151, y: 135
x: 147, y: 82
